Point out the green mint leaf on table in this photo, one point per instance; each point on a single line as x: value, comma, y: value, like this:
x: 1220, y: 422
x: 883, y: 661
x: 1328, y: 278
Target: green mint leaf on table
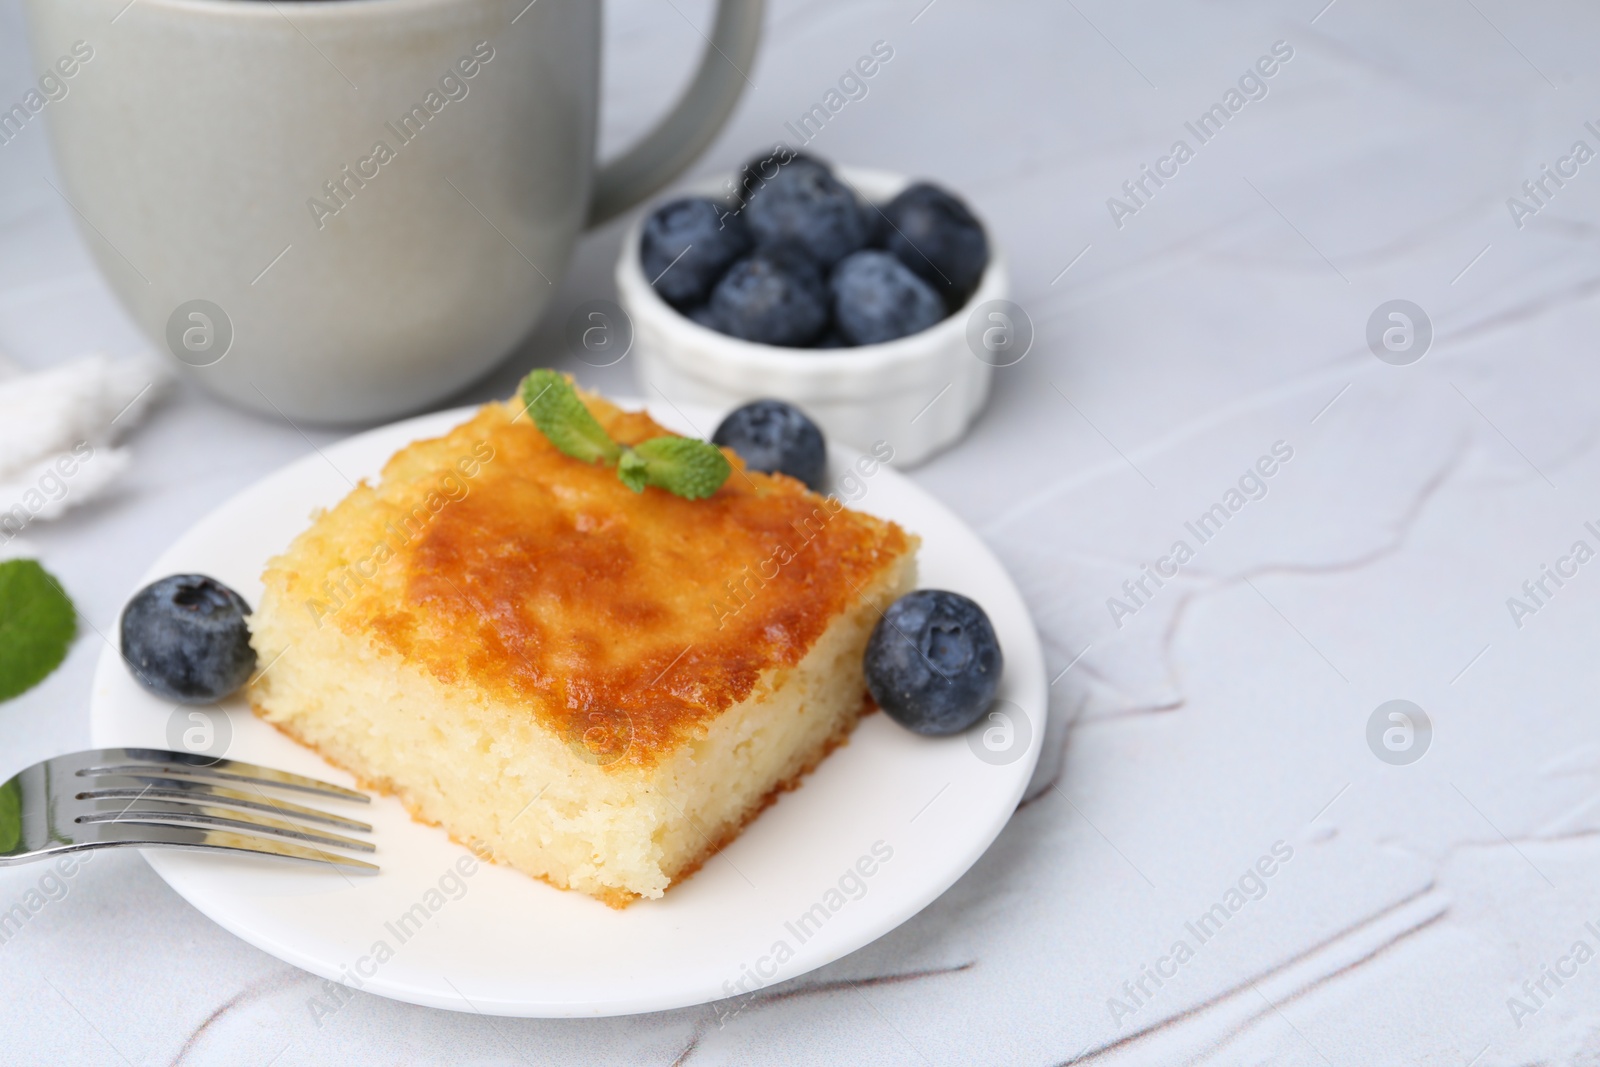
x: 558, y: 411
x: 692, y: 469
x: 10, y: 816
x: 37, y: 623
x: 683, y: 466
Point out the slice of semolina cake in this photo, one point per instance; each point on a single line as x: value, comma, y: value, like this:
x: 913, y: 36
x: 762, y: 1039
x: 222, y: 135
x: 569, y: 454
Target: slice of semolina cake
x: 600, y: 686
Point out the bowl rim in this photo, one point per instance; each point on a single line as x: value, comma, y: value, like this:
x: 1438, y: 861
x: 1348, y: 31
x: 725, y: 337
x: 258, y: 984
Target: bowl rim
x: 644, y: 300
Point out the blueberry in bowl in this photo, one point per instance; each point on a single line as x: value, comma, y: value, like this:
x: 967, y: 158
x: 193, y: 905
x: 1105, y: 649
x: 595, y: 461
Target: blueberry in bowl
x: 701, y: 314
x: 774, y: 296
x: 804, y: 204
x: 687, y: 245
x: 877, y: 298
x: 775, y: 437
x: 185, y: 639
x: 881, y: 363
x: 763, y: 168
x: 937, y: 237
x: 933, y: 662
x: 790, y: 223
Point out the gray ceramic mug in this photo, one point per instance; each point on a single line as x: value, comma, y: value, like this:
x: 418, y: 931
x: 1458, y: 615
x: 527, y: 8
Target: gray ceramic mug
x: 341, y: 210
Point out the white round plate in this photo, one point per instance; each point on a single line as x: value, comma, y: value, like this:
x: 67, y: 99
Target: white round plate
x: 792, y: 893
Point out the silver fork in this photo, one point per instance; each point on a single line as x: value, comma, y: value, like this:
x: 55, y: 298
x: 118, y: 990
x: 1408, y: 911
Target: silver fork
x: 152, y: 798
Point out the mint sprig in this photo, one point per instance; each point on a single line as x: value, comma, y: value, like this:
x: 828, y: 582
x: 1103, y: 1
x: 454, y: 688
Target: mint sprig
x: 684, y: 466
x: 554, y: 407
x: 37, y: 624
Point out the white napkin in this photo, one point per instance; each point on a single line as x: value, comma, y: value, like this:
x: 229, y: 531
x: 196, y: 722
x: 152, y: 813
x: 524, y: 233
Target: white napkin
x: 57, y: 432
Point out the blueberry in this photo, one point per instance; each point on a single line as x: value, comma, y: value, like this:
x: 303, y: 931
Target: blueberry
x: 933, y: 662
x: 935, y: 235
x: 832, y: 339
x: 702, y: 314
x: 760, y: 170
x: 876, y: 299
x: 804, y: 203
x: 774, y: 296
x: 185, y: 639
x: 686, y: 246
x: 770, y: 435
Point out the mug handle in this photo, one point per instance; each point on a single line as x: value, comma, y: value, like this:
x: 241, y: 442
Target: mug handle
x: 699, y: 114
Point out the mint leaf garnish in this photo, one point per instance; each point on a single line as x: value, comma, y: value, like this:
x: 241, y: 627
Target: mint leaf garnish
x: 631, y: 469
x: 684, y: 466
x: 560, y: 414
x: 692, y: 469
x: 37, y: 623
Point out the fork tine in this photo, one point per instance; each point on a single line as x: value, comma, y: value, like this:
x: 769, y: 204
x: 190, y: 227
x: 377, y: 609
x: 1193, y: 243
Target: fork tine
x: 154, y: 787
x: 161, y: 812
x: 206, y: 840
x: 188, y: 764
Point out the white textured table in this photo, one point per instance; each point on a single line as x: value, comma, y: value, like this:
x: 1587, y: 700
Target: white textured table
x: 1221, y: 715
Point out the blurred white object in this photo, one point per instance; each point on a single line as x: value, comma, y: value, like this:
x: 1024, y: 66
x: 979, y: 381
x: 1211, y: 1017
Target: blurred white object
x: 57, y: 429
x: 919, y: 393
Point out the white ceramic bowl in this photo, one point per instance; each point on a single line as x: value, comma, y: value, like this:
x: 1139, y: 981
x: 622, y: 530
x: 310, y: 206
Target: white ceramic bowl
x: 919, y: 394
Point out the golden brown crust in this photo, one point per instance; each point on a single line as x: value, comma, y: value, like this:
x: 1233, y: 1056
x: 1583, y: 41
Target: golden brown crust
x: 544, y: 583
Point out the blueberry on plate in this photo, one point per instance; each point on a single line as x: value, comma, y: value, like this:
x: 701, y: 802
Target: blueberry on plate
x: 933, y: 662
x: 774, y: 296
x: 876, y: 299
x: 772, y: 436
x: 185, y: 639
x: 687, y: 244
x: 935, y: 235
x: 805, y: 204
